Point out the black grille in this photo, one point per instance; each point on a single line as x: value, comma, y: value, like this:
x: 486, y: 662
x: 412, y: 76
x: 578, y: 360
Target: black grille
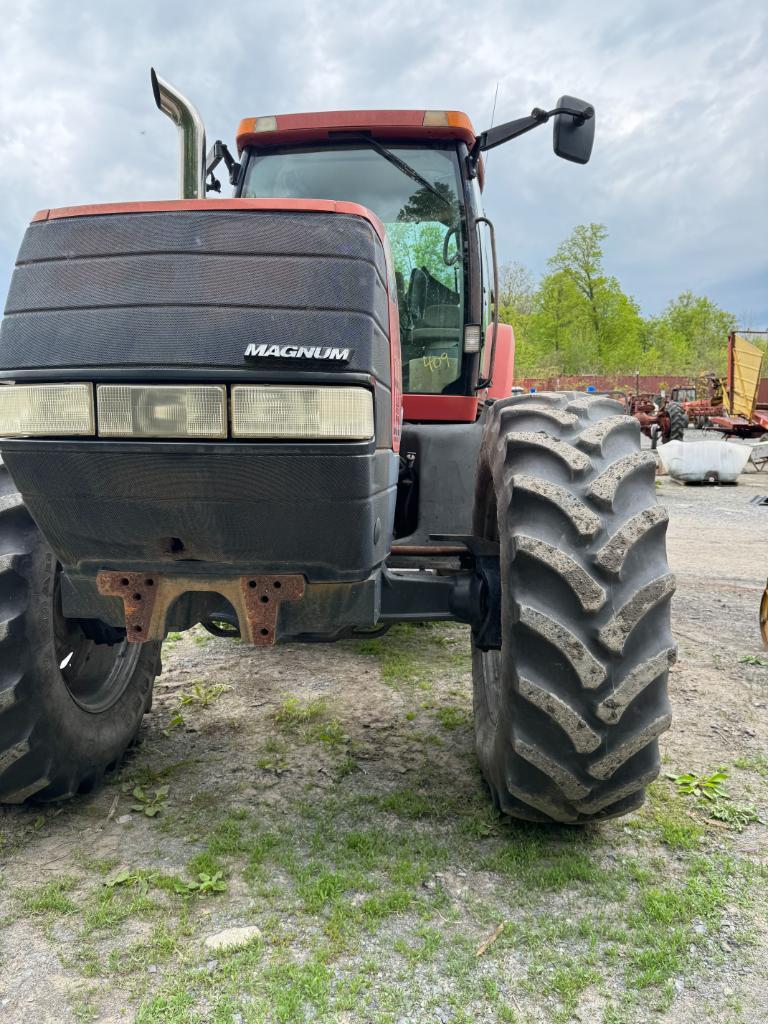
x: 194, y: 288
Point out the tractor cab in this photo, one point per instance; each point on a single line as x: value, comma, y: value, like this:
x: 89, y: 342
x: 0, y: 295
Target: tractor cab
x: 683, y: 394
x: 410, y: 169
x: 421, y: 173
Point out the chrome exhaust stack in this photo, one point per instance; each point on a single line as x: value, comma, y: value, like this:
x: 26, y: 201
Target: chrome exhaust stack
x: 191, y: 136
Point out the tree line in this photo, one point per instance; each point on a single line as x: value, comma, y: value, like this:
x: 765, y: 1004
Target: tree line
x: 577, y: 319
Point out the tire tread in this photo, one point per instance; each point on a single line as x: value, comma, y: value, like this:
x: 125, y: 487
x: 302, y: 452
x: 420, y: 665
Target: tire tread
x: 569, y: 725
x: 31, y: 766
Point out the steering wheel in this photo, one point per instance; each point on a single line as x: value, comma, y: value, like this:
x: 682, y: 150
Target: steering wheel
x: 450, y: 260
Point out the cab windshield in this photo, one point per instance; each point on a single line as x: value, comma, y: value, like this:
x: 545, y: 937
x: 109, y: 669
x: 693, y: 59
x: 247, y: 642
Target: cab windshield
x: 425, y: 229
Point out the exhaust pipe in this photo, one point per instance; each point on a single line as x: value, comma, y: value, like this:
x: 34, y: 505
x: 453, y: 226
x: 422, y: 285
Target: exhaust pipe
x: 191, y: 137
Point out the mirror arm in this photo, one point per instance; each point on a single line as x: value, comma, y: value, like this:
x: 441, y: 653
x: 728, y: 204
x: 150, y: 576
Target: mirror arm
x: 514, y: 129
x: 216, y: 154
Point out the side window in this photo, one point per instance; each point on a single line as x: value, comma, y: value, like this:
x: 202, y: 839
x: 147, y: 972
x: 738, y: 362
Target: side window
x: 487, y: 275
x: 486, y: 261
x: 488, y: 298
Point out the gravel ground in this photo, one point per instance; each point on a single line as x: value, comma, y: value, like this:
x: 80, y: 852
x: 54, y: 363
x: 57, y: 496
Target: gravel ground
x: 328, y: 800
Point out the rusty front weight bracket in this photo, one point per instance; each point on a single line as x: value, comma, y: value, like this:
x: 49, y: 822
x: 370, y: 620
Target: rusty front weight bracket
x: 147, y: 597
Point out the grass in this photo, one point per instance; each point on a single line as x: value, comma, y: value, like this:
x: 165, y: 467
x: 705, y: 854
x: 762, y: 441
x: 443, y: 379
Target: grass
x: 670, y: 818
x: 757, y: 762
x: 274, y: 756
x: 294, y: 712
x: 49, y: 897
x: 106, y: 909
x: 341, y: 891
x: 160, y: 947
x: 451, y: 717
x: 374, y: 889
x: 412, y: 656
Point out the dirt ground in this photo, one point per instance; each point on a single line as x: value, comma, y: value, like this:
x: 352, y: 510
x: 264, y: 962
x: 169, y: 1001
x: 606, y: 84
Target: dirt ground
x: 329, y: 797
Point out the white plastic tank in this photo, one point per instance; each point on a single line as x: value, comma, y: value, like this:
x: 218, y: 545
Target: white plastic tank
x: 704, y: 461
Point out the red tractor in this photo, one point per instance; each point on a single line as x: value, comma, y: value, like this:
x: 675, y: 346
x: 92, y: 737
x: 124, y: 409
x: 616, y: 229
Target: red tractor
x: 660, y: 419
x: 287, y: 416
x: 700, y: 401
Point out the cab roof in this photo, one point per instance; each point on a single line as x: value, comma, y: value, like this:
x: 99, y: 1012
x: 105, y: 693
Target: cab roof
x: 301, y: 129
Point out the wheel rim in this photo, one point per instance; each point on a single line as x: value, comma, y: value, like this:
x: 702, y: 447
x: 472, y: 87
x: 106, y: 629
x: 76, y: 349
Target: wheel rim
x: 95, y: 675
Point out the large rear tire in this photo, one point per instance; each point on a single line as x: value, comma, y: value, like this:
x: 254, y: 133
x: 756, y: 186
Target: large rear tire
x: 678, y: 421
x: 69, y: 706
x: 568, y: 712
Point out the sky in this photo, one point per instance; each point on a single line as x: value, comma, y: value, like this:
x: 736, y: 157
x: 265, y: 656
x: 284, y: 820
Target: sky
x: 679, y: 172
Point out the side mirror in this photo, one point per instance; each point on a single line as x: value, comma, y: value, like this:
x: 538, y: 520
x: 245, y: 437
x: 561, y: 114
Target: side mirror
x: 573, y: 133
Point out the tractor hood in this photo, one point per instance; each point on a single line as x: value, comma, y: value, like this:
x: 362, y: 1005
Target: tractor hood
x: 213, y: 284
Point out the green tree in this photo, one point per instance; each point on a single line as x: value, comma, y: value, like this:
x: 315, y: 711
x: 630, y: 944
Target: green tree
x: 516, y: 288
x: 580, y: 320
x: 619, y: 339
x: 421, y: 245
x: 616, y: 323
x: 581, y: 257
x: 690, y: 335
x: 517, y: 297
x: 559, y: 336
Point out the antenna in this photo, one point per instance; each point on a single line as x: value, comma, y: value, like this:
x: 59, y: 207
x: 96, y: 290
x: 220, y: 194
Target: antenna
x: 493, y: 115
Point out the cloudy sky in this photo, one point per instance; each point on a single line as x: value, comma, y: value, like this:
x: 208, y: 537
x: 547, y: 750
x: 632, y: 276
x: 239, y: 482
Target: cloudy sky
x: 679, y: 172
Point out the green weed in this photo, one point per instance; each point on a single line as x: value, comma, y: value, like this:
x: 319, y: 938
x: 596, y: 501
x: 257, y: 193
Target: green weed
x: 706, y: 787
x: 175, y: 722
x: 737, y: 815
x: 149, y: 803
x: 204, y: 862
x: 127, y: 877
x: 331, y: 734
x: 203, y: 885
x: 413, y: 654
x: 202, y: 695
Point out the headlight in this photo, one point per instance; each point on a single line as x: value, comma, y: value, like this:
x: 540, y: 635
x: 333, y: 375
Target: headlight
x: 302, y: 413
x: 138, y: 410
x: 45, y: 410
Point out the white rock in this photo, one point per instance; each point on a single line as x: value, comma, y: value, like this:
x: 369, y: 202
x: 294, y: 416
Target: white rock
x: 233, y: 938
x: 124, y: 819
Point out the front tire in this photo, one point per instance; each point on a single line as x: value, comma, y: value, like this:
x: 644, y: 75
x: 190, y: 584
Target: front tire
x: 69, y: 707
x: 569, y: 711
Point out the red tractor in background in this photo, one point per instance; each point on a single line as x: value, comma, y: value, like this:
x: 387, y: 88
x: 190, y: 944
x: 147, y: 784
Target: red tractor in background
x: 700, y: 401
x: 287, y: 416
x: 660, y: 418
